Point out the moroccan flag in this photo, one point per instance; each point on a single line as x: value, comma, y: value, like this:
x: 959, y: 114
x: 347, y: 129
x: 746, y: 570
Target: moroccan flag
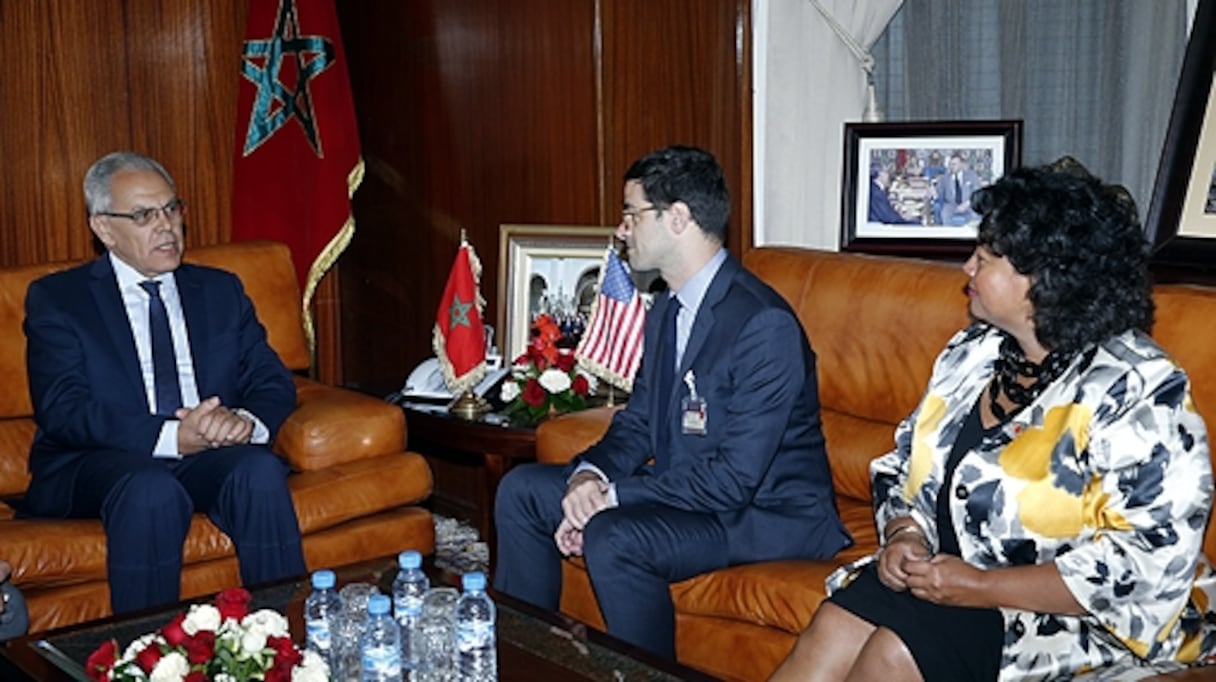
x: 611, y: 348
x: 460, y: 338
x: 297, y: 146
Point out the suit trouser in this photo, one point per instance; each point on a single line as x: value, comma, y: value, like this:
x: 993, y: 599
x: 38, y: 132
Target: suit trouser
x: 145, y: 505
x: 633, y: 554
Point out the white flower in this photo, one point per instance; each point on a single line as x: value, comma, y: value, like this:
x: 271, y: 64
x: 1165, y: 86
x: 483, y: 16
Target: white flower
x: 554, y: 380
x: 509, y: 392
x: 140, y: 644
x: 312, y: 669
x: 201, y: 617
x: 172, y: 667
x: 267, y: 621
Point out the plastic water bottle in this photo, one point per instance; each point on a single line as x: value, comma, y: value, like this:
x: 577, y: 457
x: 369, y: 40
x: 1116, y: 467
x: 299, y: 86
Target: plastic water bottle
x: 476, y: 651
x: 381, y: 643
x: 321, y: 609
x: 409, y: 587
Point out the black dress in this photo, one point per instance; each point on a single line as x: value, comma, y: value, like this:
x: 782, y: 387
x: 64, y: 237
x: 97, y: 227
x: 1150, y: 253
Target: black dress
x: 948, y: 642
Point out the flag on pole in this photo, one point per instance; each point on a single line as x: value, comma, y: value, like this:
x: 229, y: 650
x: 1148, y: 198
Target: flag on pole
x: 459, y: 339
x: 611, y: 348
x: 297, y: 159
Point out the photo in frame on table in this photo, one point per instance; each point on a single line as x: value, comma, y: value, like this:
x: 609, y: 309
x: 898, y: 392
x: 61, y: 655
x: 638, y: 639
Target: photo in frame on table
x: 1181, y: 219
x: 550, y: 269
x: 907, y: 186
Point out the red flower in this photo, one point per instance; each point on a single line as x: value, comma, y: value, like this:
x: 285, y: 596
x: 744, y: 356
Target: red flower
x: 285, y: 653
x: 233, y: 603
x: 173, y: 633
x: 580, y: 385
x: 534, y: 394
x: 148, y: 658
x: 101, y: 660
x: 196, y: 676
x: 565, y: 362
x: 201, y: 647
x: 277, y: 674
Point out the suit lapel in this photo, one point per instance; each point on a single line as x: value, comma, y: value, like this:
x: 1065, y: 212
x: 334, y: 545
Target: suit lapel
x: 705, y: 314
x: 113, y: 314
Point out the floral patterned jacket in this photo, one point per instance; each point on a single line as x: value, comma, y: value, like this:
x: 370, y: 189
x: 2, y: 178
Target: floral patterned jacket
x: 1107, y: 474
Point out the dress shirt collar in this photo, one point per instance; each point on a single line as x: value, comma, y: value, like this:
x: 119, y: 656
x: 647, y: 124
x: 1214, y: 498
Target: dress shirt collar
x: 694, y: 289
x: 129, y: 278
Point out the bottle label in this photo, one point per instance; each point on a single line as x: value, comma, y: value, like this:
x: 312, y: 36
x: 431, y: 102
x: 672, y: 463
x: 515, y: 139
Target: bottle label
x: 382, y: 661
x: 407, y: 606
x: 470, y: 636
x: 317, y: 632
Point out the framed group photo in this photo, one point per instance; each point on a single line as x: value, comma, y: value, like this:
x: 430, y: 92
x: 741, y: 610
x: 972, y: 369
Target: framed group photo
x: 1181, y: 220
x: 907, y: 186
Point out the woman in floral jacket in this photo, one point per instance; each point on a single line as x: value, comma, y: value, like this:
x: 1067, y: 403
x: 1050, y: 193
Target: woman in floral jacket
x: 1043, y: 512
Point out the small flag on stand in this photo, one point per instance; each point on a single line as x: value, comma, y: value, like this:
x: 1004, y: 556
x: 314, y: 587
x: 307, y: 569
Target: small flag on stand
x: 459, y: 339
x: 611, y: 348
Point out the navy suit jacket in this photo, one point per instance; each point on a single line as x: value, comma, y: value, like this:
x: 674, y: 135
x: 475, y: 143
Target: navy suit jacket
x: 84, y: 375
x: 761, y: 465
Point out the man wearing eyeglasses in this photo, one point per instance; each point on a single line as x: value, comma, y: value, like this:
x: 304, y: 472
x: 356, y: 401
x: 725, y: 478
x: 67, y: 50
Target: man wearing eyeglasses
x: 718, y: 458
x: 156, y: 396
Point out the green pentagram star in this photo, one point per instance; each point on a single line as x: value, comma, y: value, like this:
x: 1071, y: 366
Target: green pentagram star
x: 458, y: 314
x: 277, y: 103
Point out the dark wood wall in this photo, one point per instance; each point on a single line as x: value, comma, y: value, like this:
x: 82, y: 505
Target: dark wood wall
x: 472, y: 113
x: 477, y: 113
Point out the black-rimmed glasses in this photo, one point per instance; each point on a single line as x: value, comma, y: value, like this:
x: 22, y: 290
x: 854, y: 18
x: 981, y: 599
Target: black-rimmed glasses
x: 173, y: 212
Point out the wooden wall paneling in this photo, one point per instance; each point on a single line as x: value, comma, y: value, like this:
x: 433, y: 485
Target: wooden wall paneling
x: 472, y: 114
x: 676, y: 72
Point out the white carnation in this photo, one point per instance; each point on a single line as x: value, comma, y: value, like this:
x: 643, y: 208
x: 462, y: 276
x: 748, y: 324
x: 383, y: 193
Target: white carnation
x: 554, y: 380
x: 200, y: 618
x: 509, y: 392
x: 172, y: 667
x: 268, y: 622
x: 312, y: 669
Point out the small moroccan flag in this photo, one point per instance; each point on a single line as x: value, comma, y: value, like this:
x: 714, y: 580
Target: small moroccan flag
x: 460, y: 337
x: 611, y: 348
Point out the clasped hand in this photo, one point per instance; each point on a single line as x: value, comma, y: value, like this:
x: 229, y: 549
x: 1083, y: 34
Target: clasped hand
x: 586, y: 496
x: 906, y: 564
x: 210, y: 425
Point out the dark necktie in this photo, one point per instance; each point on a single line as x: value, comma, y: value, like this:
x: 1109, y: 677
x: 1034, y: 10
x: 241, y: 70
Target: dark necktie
x: 164, y: 361
x: 667, y: 372
x: 958, y: 190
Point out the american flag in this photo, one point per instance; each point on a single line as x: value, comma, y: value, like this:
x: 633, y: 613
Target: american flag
x: 611, y: 348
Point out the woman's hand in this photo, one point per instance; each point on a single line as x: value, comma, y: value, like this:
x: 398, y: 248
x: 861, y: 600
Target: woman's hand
x: 903, y: 550
x: 947, y: 579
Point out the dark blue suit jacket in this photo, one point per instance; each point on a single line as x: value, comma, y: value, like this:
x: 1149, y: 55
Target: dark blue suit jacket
x: 761, y: 466
x: 84, y: 375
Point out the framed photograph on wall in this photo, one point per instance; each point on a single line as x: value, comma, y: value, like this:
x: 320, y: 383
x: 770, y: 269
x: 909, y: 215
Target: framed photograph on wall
x: 550, y: 269
x: 907, y: 186
x: 1181, y: 220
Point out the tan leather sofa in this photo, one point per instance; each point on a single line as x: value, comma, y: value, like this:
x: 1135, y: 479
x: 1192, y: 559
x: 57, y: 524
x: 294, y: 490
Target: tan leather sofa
x: 876, y: 325
x: 355, y: 488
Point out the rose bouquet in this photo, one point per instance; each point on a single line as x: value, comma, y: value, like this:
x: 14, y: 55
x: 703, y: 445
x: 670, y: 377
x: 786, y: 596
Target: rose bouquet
x: 544, y: 379
x: 222, y: 642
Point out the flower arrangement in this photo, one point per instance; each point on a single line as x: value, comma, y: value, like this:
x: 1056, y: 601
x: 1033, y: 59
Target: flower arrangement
x: 224, y: 642
x: 544, y: 378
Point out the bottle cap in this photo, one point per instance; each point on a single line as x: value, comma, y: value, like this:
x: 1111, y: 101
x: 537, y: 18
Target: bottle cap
x: 410, y: 558
x: 378, y: 605
x: 323, y: 579
x: 473, y: 581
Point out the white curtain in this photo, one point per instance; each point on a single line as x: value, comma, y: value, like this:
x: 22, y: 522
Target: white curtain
x: 808, y: 85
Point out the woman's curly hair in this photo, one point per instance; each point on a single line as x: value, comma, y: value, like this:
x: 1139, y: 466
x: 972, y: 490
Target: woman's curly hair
x: 1080, y: 243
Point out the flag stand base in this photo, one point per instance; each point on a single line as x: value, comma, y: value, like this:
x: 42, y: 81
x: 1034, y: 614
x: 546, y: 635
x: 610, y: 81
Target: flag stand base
x: 469, y: 406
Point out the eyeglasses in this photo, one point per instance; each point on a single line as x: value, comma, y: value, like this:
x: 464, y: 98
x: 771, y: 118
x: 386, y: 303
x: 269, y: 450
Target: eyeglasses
x: 631, y: 216
x: 173, y: 212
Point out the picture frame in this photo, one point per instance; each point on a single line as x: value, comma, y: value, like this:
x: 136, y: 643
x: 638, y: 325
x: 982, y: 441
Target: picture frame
x: 907, y: 185
x: 564, y: 258
x: 1181, y: 220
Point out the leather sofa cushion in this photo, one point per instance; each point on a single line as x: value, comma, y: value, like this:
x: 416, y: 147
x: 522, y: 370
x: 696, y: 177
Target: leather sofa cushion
x: 332, y: 425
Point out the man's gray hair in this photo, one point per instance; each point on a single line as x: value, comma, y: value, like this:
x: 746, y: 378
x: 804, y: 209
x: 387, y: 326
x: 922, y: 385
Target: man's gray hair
x: 97, y: 195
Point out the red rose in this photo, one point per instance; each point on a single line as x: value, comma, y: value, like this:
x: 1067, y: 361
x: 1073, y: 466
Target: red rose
x: 147, y: 659
x: 285, y: 653
x: 277, y: 674
x: 233, y: 603
x: 565, y: 362
x: 102, y: 660
x: 534, y: 393
x: 201, y: 647
x: 173, y: 632
x: 196, y: 676
x: 580, y: 385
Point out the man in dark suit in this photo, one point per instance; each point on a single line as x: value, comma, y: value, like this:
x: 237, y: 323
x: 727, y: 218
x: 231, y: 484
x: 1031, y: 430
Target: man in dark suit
x: 726, y: 406
x: 156, y: 395
x: 881, y: 210
x: 954, y: 190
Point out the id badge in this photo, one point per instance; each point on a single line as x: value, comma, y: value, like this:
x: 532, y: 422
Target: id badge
x: 693, y: 411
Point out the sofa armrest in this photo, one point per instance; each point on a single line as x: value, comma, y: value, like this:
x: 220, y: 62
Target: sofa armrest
x: 333, y: 425
x: 559, y: 439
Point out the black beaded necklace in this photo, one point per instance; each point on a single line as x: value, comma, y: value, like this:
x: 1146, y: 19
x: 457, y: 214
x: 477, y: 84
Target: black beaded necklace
x: 1011, y: 364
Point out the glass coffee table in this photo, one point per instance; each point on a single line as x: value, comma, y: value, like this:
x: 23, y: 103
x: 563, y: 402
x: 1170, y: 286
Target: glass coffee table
x: 532, y: 644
